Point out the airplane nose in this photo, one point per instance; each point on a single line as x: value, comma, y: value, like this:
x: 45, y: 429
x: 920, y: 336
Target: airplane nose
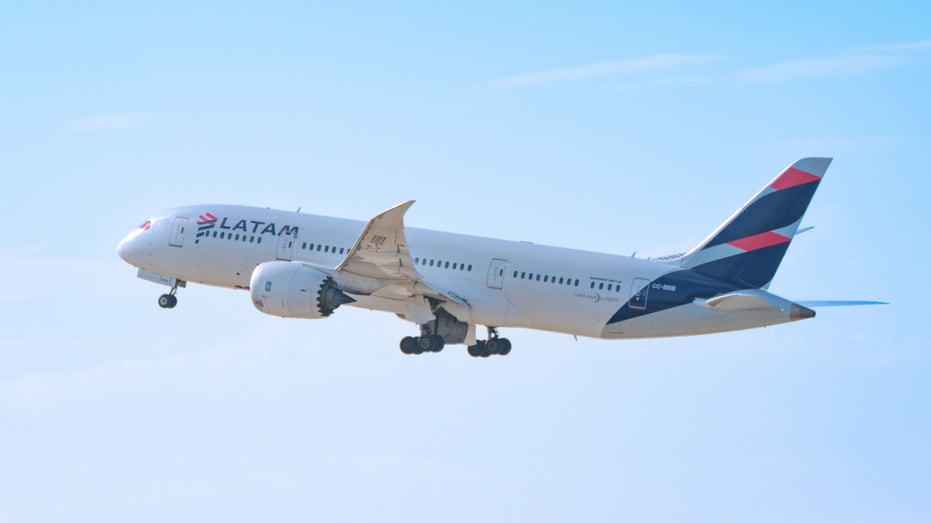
x: 121, y: 250
x: 128, y: 249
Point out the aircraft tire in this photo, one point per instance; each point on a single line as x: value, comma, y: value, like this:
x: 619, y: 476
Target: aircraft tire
x: 424, y: 344
x: 167, y: 301
x: 504, y: 346
x: 408, y: 344
x: 437, y: 343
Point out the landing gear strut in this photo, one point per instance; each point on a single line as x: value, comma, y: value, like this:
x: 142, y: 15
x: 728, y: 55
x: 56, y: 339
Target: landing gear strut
x: 168, y: 301
x: 494, y: 345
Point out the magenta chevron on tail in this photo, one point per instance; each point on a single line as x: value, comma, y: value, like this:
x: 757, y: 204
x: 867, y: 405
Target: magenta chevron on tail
x: 748, y: 248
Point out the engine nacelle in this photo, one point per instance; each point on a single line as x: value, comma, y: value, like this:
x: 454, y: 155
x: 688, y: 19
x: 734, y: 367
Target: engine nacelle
x: 293, y: 290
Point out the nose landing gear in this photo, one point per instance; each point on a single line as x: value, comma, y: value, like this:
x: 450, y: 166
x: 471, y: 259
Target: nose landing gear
x: 168, y: 301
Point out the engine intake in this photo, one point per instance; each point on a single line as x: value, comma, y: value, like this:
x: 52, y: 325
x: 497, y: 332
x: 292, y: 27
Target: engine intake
x: 293, y: 290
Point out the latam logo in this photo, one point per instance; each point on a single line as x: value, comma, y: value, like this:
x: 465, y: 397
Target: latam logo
x: 207, y: 222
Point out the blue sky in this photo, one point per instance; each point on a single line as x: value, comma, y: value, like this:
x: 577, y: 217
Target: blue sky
x: 603, y: 127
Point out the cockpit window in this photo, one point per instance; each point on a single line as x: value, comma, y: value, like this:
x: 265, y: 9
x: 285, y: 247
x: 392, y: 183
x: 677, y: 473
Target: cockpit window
x: 146, y: 225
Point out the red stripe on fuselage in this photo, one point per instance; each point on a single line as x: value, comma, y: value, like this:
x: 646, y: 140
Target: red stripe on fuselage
x: 759, y: 241
x: 793, y: 177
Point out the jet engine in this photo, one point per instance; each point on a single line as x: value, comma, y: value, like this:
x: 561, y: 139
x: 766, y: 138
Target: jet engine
x: 294, y: 290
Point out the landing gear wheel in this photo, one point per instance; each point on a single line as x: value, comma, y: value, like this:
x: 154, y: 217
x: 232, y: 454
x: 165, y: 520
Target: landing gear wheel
x: 408, y: 345
x: 167, y: 301
x: 437, y: 343
x: 477, y: 350
x: 492, y: 346
x: 504, y: 346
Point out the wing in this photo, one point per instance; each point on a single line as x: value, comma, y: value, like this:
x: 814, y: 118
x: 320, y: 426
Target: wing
x: 381, y: 255
x: 381, y: 250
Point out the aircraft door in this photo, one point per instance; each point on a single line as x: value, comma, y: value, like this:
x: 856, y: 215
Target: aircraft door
x: 285, y: 247
x: 176, y: 238
x: 496, y: 273
x: 639, y: 290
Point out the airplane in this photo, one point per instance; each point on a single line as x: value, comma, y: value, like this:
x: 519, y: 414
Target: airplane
x: 297, y: 265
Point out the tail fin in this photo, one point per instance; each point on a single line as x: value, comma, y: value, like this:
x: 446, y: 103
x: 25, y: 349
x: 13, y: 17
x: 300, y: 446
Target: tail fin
x: 748, y: 248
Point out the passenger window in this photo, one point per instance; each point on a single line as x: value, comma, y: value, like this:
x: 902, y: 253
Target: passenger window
x: 601, y: 286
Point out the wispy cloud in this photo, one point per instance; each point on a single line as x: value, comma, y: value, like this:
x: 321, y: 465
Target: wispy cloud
x: 658, y: 62
x: 668, y: 68
x: 898, y: 47
x: 815, y: 67
x: 109, y: 121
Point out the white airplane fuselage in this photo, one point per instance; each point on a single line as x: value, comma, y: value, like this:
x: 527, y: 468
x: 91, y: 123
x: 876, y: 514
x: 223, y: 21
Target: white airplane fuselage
x: 505, y: 283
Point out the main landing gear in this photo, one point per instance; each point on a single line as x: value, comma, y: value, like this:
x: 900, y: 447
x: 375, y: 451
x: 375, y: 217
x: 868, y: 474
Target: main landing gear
x: 429, y: 342
x: 494, y: 345
x: 168, y: 301
x: 421, y: 344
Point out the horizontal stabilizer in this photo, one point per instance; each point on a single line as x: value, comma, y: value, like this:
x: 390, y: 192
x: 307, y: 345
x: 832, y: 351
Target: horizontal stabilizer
x: 736, y: 301
x: 840, y: 303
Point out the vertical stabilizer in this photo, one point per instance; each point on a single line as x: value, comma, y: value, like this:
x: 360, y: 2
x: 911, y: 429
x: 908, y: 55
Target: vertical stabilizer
x: 748, y: 248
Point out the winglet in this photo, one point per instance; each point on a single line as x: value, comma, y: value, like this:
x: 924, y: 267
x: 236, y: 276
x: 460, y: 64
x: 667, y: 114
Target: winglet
x: 380, y: 242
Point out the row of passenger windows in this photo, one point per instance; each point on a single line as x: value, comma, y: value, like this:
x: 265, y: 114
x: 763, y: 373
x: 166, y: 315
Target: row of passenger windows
x: 322, y: 248
x: 423, y: 261
x: 564, y: 281
x: 230, y: 236
x: 456, y: 266
x: 546, y: 278
x: 611, y: 286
